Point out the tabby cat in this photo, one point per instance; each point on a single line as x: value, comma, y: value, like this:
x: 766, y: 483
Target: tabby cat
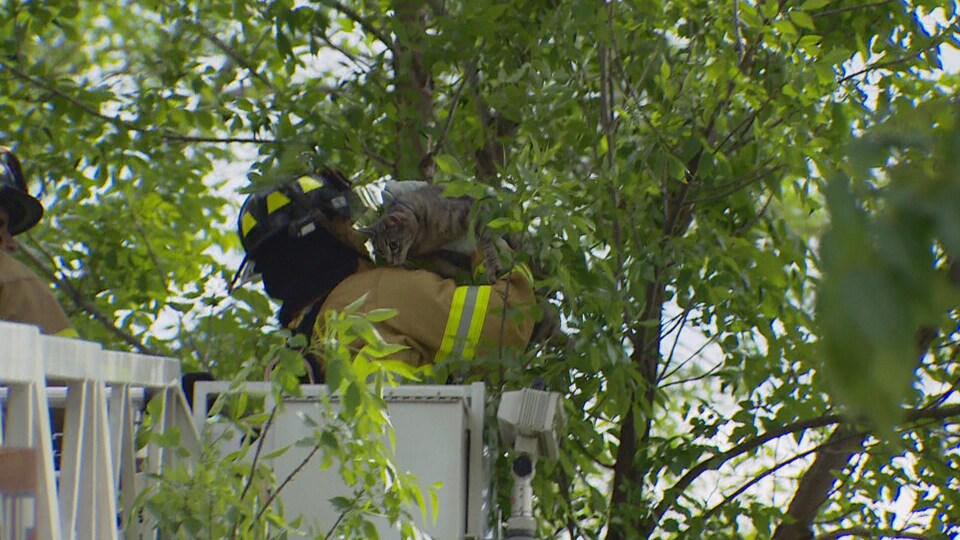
x: 422, y: 222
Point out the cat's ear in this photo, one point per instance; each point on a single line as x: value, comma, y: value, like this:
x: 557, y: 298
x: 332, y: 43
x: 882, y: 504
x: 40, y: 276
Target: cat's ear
x: 392, y: 219
x: 367, y: 231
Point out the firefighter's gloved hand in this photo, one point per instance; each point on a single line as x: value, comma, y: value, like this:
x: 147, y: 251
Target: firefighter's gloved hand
x: 189, y: 380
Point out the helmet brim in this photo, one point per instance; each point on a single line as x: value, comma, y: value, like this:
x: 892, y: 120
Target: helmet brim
x: 24, y: 210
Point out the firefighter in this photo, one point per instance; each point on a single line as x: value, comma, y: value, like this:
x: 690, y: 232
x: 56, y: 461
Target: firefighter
x: 299, y: 238
x: 24, y: 297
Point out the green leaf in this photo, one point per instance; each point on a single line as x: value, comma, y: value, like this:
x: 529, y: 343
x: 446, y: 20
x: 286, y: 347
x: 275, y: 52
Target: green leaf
x: 448, y: 164
x: 802, y: 19
x: 505, y: 223
x: 341, y: 504
x: 380, y: 315
x: 809, y: 41
x: 351, y: 399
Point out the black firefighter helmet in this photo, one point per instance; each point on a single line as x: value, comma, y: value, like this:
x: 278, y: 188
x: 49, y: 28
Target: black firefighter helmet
x: 294, y: 208
x: 24, y: 210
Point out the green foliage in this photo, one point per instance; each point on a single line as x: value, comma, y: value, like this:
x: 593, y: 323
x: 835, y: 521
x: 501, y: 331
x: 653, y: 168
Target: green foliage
x: 663, y: 167
x: 884, y: 254
x: 231, y: 489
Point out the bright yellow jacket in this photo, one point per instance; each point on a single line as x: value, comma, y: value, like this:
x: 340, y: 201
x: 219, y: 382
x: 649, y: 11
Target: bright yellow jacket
x: 437, y: 318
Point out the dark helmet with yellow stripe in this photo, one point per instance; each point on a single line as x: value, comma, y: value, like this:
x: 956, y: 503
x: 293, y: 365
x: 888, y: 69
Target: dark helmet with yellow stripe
x: 24, y: 210
x: 294, y: 208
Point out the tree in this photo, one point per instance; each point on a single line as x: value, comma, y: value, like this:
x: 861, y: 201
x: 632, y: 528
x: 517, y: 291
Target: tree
x: 671, y: 168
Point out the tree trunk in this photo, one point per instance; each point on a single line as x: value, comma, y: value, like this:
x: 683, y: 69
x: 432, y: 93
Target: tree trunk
x: 414, y: 93
x: 626, y: 518
x: 818, y: 481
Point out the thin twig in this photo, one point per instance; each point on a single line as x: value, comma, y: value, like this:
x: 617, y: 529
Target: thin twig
x: 752, y: 177
x: 709, y: 373
x: 742, y: 125
x: 866, y: 532
x: 737, y: 34
x: 176, y: 137
x: 364, y: 22
x: 756, y: 479
x: 716, y: 461
x: 287, y: 480
x: 879, y: 65
x: 54, y: 90
x: 232, y: 53
x: 346, y: 54
x: 123, y: 124
x: 453, y: 109
x: 678, y: 326
x: 828, y: 12
x: 934, y: 43
x: 690, y: 358
x: 753, y: 220
x: 343, y: 514
x: 262, y: 436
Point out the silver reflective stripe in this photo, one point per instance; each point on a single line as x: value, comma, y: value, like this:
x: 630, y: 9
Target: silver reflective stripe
x: 468, y: 311
x: 466, y: 316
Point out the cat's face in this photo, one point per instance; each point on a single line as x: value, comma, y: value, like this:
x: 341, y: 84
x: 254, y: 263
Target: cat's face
x: 393, y: 237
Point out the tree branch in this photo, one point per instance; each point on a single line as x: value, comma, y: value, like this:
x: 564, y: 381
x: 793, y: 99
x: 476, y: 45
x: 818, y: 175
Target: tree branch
x: 756, y: 479
x: 879, y: 65
x: 828, y: 12
x: 715, y: 462
x: 435, y: 149
x: 871, y: 533
x: 815, y: 484
x: 360, y: 63
x: 82, y: 303
x: 752, y: 177
x: 934, y: 43
x: 845, y: 442
x: 232, y: 53
x: 413, y: 81
x: 60, y: 93
x: 273, y: 495
x: 175, y: 137
x: 705, y: 375
x: 261, y: 438
x: 747, y: 225
x: 364, y: 22
x: 938, y: 413
x: 123, y: 124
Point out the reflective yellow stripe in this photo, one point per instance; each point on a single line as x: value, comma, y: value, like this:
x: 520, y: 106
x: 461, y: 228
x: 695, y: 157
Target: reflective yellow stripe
x: 453, y: 322
x: 247, y: 222
x: 67, y: 332
x: 308, y: 183
x: 476, y: 322
x: 468, y: 310
x: 276, y: 200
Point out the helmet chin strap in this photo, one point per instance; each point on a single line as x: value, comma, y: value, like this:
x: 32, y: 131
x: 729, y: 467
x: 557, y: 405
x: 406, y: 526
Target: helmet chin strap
x: 246, y: 272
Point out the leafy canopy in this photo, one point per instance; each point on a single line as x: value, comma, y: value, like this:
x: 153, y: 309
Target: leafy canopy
x: 671, y: 167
